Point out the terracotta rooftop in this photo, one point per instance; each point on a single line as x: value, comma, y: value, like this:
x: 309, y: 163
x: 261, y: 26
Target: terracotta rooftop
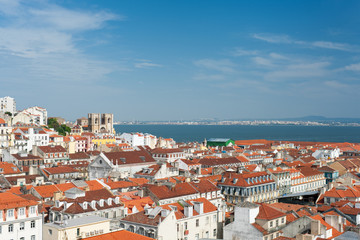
x: 52, y: 149
x: 9, y: 200
x: 267, y: 212
x: 122, y: 234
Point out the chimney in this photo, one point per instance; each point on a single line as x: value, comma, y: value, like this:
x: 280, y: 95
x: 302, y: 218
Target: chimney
x: 164, y: 213
x: 188, y: 211
x: 199, y: 207
x: 315, y: 227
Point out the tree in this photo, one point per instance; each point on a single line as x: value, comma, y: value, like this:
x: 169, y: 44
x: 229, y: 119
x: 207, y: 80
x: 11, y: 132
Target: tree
x: 9, y: 113
x: 61, y: 129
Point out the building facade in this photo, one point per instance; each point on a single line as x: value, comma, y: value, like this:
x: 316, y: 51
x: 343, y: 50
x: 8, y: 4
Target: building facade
x: 101, y: 123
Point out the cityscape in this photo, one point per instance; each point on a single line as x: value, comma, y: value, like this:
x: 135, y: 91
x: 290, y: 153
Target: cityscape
x: 83, y: 180
x: 179, y: 120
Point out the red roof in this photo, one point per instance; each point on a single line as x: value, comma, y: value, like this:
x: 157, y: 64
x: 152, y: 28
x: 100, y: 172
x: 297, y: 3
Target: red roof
x: 8, y: 168
x: 266, y: 212
x: 118, y: 235
x: 47, y: 191
x: 9, y: 200
x: 52, y: 149
x: 59, y: 170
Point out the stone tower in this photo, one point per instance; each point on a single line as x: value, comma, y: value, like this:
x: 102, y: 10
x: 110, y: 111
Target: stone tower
x: 101, y: 123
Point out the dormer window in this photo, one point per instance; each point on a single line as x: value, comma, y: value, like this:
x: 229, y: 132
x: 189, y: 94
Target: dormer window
x: 10, y: 212
x: 21, y: 211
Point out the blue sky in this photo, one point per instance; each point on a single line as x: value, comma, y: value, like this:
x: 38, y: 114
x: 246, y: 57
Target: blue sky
x: 177, y: 60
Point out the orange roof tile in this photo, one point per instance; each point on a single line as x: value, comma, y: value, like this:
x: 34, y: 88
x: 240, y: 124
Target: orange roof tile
x: 122, y: 234
x: 267, y: 212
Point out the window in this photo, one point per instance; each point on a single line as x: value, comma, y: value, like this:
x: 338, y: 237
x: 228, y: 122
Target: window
x: 11, y: 228
x: 271, y: 223
x: 277, y: 222
x: 0, y: 229
x: 10, y: 212
x: 78, y: 231
x: 21, y: 211
x: 177, y: 227
x: 22, y: 226
x: 207, y: 220
x: 32, y: 224
x: 185, y: 225
x: 197, y: 236
x: 32, y: 237
x: 283, y: 220
x: 214, y: 218
x: 197, y: 222
x: 22, y: 238
x: 50, y: 231
x: 32, y: 210
x: 214, y: 232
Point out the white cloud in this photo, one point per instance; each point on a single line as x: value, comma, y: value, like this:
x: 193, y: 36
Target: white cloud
x: 40, y: 42
x: 31, y: 43
x: 301, y: 70
x: 353, y: 67
x: 9, y: 7
x: 271, y: 38
x: 147, y: 64
x: 332, y: 45
x: 285, y: 39
x: 335, y: 84
x: 64, y: 19
x: 222, y: 65
x: 278, y: 56
x: 209, y: 77
x: 242, y: 52
x: 263, y: 61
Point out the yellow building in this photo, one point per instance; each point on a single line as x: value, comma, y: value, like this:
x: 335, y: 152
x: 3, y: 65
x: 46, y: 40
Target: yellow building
x: 102, y: 140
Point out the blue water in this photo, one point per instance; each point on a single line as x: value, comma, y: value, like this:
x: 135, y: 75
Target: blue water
x: 187, y: 133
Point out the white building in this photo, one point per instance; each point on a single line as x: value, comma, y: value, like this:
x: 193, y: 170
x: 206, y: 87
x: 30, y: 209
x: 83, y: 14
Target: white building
x: 32, y: 137
x: 327, y: 154
x: 20, y: 218
x: 158, y: 171
x: 6, y: 136
x: 167, y: 154
x: 150, y: 140
x: 34, y: 115
x: 78, y: 204
x: 190, y: 220
x: 8, y: 104
x: 119, y: 164
x: 138, y: 139
x: 242, y: 226
x: 77, y: 228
